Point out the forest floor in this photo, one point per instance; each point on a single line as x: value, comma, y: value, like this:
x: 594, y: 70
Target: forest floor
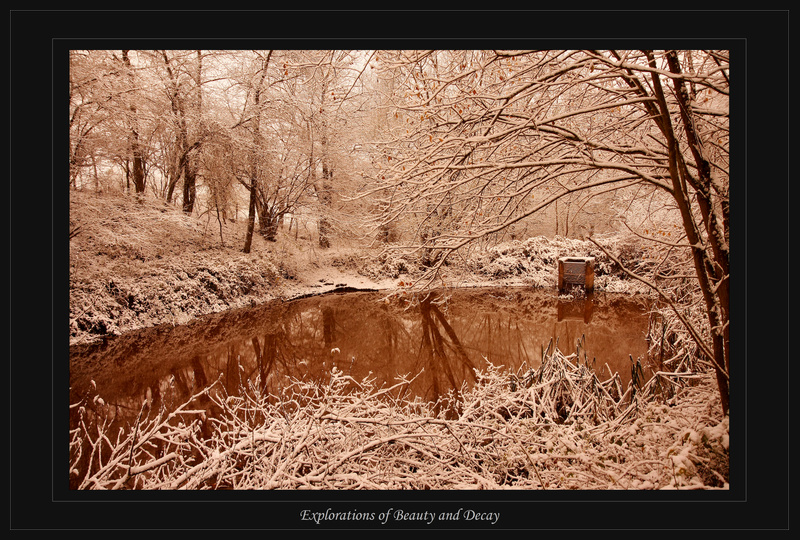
x: 136, y: 264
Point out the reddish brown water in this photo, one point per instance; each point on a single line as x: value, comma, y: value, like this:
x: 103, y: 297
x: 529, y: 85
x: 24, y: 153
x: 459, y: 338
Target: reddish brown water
x: 361, y: 333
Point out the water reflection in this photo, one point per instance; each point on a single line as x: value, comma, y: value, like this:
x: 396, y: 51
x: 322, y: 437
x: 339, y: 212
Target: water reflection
x: 444, y: 338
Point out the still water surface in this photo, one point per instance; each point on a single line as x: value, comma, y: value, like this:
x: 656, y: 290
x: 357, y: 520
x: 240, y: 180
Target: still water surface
x: 445, y: 338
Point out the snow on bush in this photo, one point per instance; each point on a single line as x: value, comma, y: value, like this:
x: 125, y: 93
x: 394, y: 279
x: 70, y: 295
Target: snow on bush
x: 388, y: 263
x: 536, y: 260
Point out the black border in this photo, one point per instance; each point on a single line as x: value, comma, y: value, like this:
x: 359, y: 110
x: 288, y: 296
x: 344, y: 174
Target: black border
x: 758, y: 498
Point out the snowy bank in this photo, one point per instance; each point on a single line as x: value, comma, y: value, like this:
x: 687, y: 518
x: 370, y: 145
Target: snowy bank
x: 140, y: 263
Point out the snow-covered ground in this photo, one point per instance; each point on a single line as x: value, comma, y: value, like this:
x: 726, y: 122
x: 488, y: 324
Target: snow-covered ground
x: 134, y: 265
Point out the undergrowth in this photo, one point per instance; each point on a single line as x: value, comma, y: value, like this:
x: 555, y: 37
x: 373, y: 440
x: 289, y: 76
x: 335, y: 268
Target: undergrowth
x: 553, y: 427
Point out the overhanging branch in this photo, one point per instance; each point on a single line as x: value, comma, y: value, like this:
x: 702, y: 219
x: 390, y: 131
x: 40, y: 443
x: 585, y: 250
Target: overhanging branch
x: 692, y: 331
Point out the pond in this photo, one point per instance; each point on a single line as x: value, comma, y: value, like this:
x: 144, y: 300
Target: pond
x: 441, y: 339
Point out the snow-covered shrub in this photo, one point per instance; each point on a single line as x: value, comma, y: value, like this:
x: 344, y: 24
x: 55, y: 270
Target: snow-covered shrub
x: 505, y: 265
x: 389, y: 264
x: 536, y: 260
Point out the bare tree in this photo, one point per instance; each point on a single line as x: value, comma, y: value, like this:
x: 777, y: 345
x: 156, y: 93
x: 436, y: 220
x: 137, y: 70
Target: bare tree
x: 328, y: 103
x: 486, y: 139
x: 110, y: 115
x: 135, y: 145
x: 88, y: 98
x: 254, y: 126
x: 183, y: 88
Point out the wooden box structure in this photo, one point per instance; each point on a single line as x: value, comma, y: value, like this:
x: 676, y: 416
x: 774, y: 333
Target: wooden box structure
x: 574, y: 271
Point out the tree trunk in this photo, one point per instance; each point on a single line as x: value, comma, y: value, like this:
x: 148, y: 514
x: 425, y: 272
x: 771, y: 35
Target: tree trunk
x: 189, y: 189
x: 268, y: 217
x: 138, y: 166
x: 703, y: 187
x: 251, y: 217
x: 190, y: 165
x: 136, y: 151
x: 702, y: 264
x: 325, y: 199
x: 254, y: 157
x: 173, y: 181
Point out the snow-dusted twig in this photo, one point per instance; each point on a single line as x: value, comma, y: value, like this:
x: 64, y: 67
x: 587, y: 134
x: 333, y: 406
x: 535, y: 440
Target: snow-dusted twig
x: 556, y: 427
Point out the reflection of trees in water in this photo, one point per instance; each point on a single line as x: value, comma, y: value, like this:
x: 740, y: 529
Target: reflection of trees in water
x: 328, y: 326
x: 393, y: 331
x: 442, y: 353
x: 391, y: 339
x: 447, y: 337
x: 500, y: 338
x: 291, y: 338
x: 266, y: 355
x: 256, y: 359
